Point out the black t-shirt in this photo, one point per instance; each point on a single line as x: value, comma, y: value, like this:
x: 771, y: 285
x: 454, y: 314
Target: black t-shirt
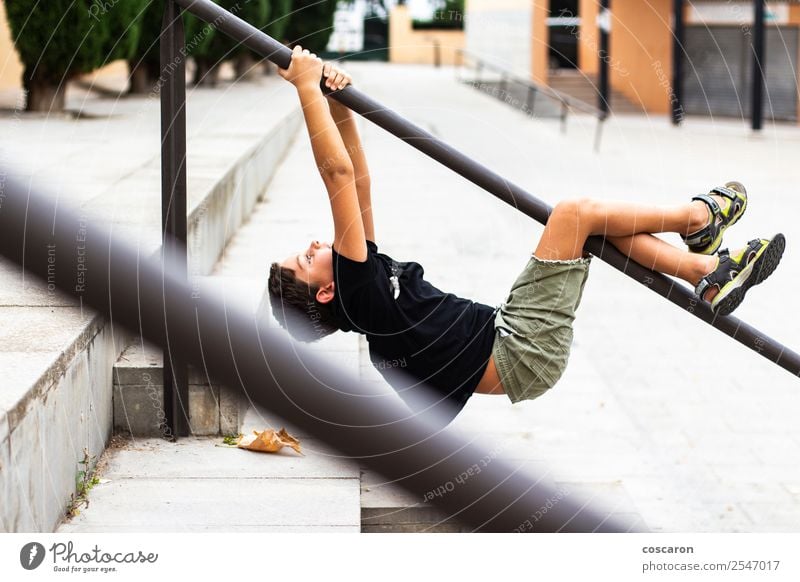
x: 417, y: 334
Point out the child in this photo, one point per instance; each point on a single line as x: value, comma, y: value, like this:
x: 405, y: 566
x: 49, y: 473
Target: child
x: 419, y: 334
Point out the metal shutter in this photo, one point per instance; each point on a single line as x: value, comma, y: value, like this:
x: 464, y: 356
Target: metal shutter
x: 717, y: 72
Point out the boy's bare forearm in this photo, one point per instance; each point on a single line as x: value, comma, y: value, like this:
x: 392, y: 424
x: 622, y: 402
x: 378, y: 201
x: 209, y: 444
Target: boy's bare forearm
x: 346, y: 122
x: 327, y: 144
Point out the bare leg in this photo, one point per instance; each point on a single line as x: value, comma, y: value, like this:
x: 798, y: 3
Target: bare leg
x: 625, y: 226
x: 660, y: 256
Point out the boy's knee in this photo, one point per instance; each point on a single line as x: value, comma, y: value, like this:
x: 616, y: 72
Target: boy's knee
x: 581, y: 211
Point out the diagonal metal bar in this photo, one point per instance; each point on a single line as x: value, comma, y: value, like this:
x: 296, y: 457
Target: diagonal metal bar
x: 495, y: 184
x: 108, y: 275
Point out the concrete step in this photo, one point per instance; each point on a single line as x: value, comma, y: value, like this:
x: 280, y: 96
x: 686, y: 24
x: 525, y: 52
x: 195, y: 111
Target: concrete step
x: 586, y: 88
x: 386, y: 508
x: 214, y: 409
x: 198, y: 484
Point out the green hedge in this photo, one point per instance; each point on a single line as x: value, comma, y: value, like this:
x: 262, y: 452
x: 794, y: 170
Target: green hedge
x: 311, y: 24
x: 60, y: 39
x: 279, y: 19
x: 124, y: 27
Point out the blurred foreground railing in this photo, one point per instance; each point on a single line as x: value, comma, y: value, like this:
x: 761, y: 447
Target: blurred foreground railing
x: 231, y: 346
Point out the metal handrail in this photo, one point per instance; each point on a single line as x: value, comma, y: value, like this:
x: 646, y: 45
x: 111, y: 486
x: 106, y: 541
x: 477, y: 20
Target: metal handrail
x: 498, y: 186
x: 567, y: 101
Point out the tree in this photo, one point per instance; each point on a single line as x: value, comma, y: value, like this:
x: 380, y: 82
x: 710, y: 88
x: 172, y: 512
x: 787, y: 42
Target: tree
x: 212, y: 47
x: 278, y: 19
x: 145, y: 63
x: 311, y: 24
x: 278, y: 22
x: 56, y: 40
x: 125, y: 28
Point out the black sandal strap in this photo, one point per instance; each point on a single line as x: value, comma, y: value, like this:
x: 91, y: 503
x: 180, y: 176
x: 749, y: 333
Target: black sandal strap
x: 706, y: 234
x: 718, y: 277
x: 726, y: 192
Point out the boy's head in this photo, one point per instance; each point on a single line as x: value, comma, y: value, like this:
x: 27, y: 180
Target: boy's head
x: 301, y: 291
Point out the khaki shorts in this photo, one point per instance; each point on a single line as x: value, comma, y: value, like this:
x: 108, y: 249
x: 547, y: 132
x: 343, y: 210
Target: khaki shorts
x: 533, y: 328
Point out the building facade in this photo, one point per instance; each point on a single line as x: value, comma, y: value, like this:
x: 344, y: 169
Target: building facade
x: 533, y: 37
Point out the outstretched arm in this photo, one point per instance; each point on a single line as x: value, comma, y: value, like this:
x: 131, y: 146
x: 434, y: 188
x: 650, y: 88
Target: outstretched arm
x: 336, y: 79
x: 333, y: 162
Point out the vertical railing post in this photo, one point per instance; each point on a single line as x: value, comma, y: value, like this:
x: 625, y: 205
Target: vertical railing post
x: 604, y: 24
x: 531, y: 99
x: 678, y: 29
x: 173, y: 203
x: 564, y: 112
x: 759, y: 66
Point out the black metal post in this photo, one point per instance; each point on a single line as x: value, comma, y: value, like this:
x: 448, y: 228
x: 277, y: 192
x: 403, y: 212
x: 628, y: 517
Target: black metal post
x: 759, y: 66
x: 500, y: 187
x: 531, y: 99
x: 173, y: 203
x: 604, y: 27
x: 678, y: 35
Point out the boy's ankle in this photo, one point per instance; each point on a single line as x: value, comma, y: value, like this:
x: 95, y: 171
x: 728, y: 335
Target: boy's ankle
x: 704, y: 266
x: 698, y: 217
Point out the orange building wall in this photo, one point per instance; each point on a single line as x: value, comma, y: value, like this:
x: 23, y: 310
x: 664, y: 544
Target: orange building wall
x: 588, y: 39
x: 407, y: 45
x: 540, y: 46
x: 641, y: 52
x: 10, y: 66
x: 794, y: 18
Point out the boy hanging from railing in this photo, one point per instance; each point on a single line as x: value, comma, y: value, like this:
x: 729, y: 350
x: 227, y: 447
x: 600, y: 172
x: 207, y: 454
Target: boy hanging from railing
x: 419, y: 334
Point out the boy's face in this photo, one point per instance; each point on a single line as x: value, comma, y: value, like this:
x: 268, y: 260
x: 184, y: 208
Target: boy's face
x: 313, y: 265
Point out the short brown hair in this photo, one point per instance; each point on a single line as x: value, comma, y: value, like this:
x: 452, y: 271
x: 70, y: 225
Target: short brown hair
x: 295, y: 306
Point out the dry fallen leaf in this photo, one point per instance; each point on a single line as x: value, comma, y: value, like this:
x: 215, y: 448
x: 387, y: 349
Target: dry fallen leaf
x: 268, y: 441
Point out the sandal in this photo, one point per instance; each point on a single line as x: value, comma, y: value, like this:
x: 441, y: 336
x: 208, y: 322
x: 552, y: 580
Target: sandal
x: 736, y: 274
x: 709, y: 238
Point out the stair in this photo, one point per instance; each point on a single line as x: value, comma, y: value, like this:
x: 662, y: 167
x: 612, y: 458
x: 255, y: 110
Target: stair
x: 584, y: 87
x: 138, y: 398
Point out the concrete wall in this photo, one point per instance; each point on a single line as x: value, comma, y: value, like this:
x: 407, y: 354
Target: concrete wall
x: 407, y: 45
x: 500, y: 31
x: 66, y: 412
